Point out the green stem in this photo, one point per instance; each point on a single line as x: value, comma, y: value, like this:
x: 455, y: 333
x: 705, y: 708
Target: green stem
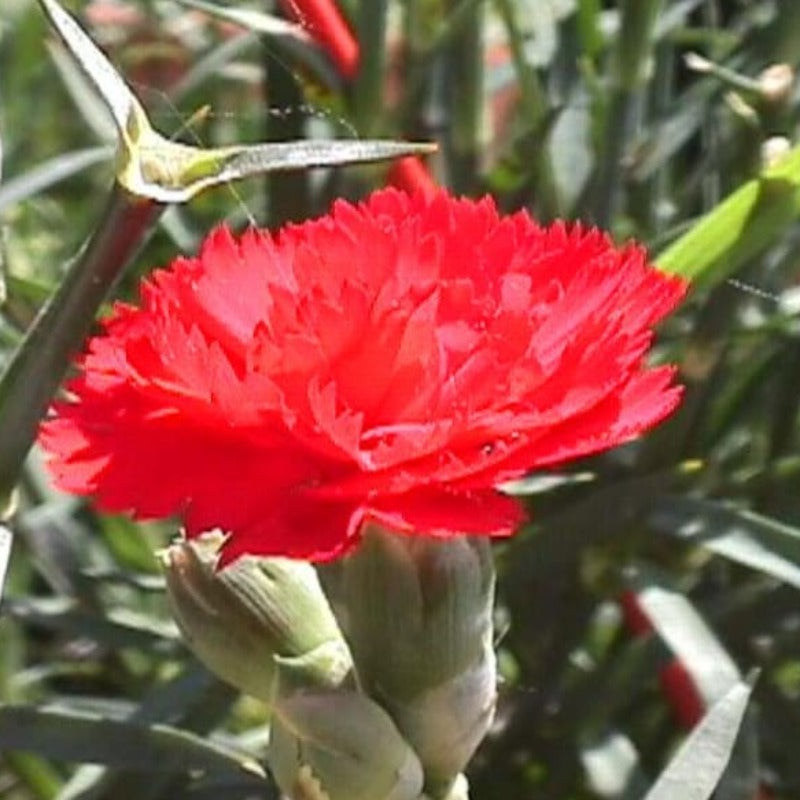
x: 368, y: 94
x: 632, y: 75
x: 535, y: 108
x: 37, y: 367
x: 465, y: 95
x: 416, y: 70
x: 36, y: 773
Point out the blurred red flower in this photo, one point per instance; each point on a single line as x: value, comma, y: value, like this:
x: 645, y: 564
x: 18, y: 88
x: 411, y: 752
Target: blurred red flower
x: 325, y: 23
x: 394, y: 360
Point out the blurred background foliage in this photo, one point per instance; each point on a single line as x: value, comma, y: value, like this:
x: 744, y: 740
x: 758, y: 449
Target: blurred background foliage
x: 651, y: 577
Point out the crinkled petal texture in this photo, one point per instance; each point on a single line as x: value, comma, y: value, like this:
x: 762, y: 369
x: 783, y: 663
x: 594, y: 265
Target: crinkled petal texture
x: 394, y: 361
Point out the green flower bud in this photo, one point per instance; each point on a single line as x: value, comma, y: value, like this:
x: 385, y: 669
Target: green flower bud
x: 418, y: 618
x: 255, y: 618
x: 339, y: 745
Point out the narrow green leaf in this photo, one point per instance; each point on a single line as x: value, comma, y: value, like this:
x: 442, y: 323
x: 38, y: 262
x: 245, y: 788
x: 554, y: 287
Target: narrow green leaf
x: 36, y: 369
x: 121, y: 629
x: 35, y: 773
x: 153, y: 167
x: 92, y: 108
x: 120, y: 99
x: 598, y: 516
x: 589, y: 27
x: 128, y: 544
x: 569, y: 146
x: 194, y: 700
x: 26, y: 289
x: 636, y: 33
x: 287, y: 37
x: 669, y: 135
x: 674, y: 16
x: 6, y: 540
x: 688, y: 636
x: 86, y: 738
x: 698, y: 765
x: 210, y: 65
x: 173, y: 173
x: 740, y: 227
x: 536, y: 114
x: 751, y: 539
x: 464, y: 95
x: 540, y: 22
x: 239, y: 162
x: 632, y: 73
x: 51, y: 172
x: 256, y: 21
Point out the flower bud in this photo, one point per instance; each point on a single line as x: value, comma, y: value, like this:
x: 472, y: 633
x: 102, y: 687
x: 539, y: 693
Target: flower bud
x: 340, y: 745
x: 418, y: 617
x: 254, y: 618
x: 777, y: 82
x: 774, y: 150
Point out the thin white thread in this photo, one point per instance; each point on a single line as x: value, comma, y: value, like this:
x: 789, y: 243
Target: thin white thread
x: 748, y: 288
x: 308, y: 110
x: 186, y: 124
x: 286, y: 112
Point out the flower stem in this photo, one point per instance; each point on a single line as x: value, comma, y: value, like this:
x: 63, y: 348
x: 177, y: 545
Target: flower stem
x: 534, y: 104
x: 368, y: 94
x: 632, y: 75
x: 465, y: 92
x: 37, y: 367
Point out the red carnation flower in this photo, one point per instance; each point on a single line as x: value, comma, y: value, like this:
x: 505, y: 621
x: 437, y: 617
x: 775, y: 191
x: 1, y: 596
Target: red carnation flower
x: 392, y: 361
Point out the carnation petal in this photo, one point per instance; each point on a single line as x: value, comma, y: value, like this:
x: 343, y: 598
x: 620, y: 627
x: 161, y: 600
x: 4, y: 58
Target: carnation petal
x: 445, y: 513
x: 394, y: 360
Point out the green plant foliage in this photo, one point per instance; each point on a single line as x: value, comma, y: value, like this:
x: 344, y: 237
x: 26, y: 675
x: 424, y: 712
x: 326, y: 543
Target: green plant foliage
x: 582, y: 109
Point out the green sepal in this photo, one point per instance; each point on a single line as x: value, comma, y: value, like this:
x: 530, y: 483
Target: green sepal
x: 340, y: 745
x: 254, y: 616
x: 418, y: 621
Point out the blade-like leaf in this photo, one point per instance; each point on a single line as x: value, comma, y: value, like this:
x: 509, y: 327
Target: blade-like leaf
x: 688, y: 636
x: 122, y: 629
x: 158, y: 169
x: 33, y: 374
x: 740, y: 227
x: 89, y: 104
x: 696, y: 768
x: 289, y: 37
x: 256, y: 21
x: 5, y: 554
x: 194, y: 700
x: 751, y: 539
x: 120, y: 99
x: 36, y: 774
x: 51, y: 172
x: 86, y: 738
x: 169, y: 172
x: 252, y: 160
